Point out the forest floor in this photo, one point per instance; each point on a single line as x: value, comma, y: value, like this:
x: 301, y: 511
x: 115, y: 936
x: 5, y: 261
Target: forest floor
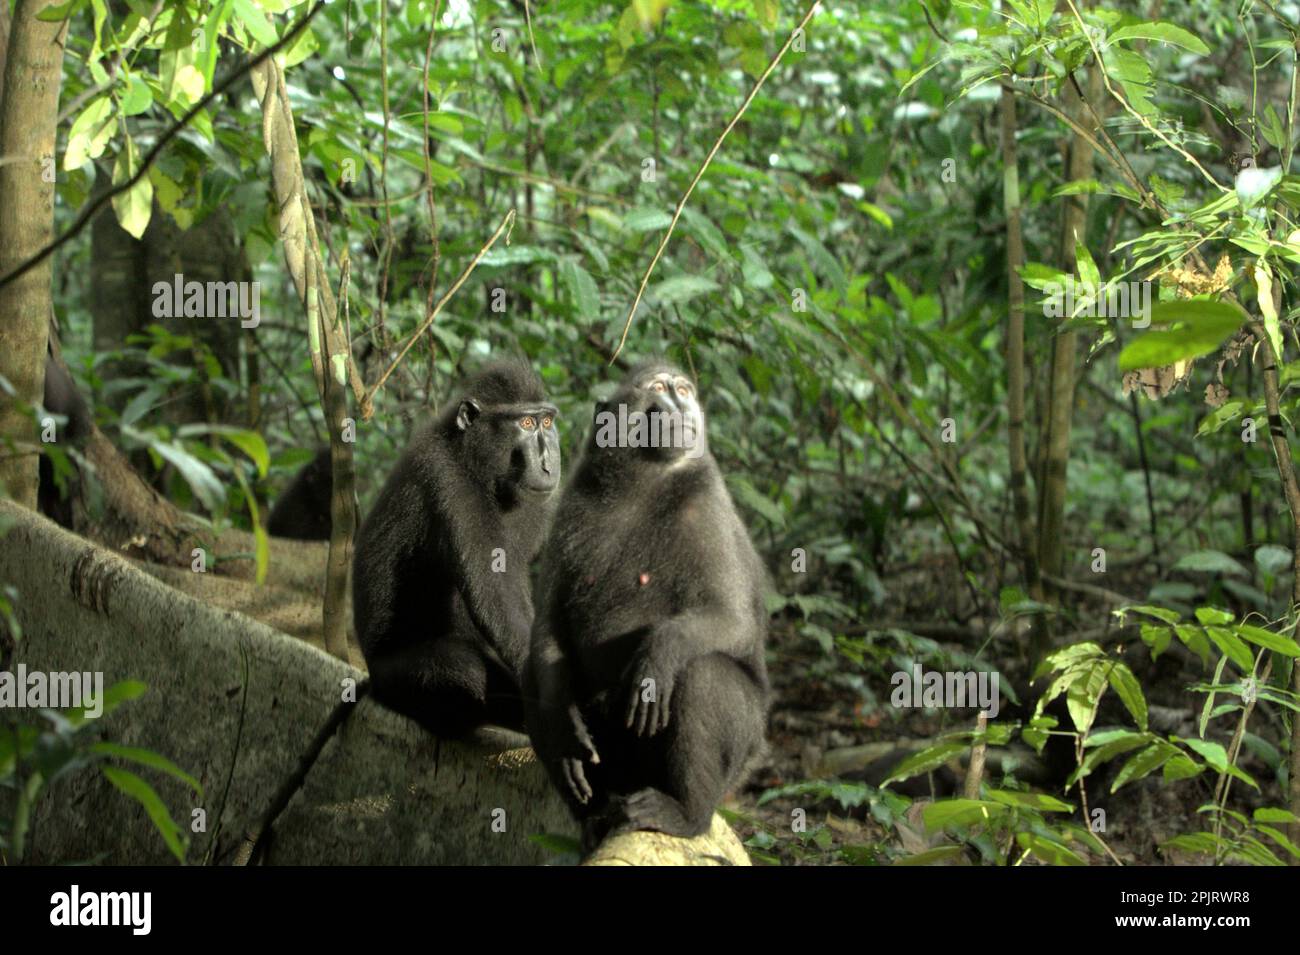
x: 834, y: 736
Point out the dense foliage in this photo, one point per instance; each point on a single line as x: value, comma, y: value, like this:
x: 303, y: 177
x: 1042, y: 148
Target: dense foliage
x: 838, y: 282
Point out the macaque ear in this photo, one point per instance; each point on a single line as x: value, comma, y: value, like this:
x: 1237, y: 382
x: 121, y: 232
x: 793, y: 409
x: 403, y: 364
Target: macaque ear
x: 469, y: 410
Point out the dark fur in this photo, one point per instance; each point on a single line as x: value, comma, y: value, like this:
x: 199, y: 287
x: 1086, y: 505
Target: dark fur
x: 61, y: 398
x: 446, y: 637
x: 302, y: 511
x: 649, y: 573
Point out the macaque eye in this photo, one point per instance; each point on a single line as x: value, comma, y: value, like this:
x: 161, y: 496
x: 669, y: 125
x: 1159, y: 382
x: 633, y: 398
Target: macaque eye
x: 684, y: 390
x: 528, y: 423
x: 658, y: 386
x: 547, y: 422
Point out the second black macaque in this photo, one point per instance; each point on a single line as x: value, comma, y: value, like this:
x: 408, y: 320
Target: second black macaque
x: 302, y: 511
x: 61, y: 398
x: 647, y: 687
x: 441, y: 595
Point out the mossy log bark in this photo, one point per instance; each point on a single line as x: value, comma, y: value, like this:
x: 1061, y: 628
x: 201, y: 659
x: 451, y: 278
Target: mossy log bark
x: 236, y: 703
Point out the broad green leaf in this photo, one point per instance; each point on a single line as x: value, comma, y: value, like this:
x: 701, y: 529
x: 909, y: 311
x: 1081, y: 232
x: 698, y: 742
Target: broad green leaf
x: 1088, y: 271
x: 1273, y: 559
x: 1208, y: 708
x: 1039, y: 801
x: 1211, y: 562
x: 1143, y: 764
x: 582, y: 289
x: 646, y: 220
x: 931, y: 856
x: 1268, y: 814
x: 256, y: 22
x: 682, y: 288
x: 144, y: 794
x: 147, y: 757
x: 1197, y: 327
x: 1232, y: 646
x: 1045, y: 850
x: 759, y: 503
x: 930, y: 758
x: 960, y: 812
x: 1160, y: 613
x: 1164, y: 32
x: 1129, y: 690
x: 138, y: 96
x: 1269, y: 640
x: 90, y: 133
x: 133, y: 207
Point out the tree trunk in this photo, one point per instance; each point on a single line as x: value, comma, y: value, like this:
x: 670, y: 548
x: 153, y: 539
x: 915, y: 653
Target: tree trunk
x: 1015, y: 358
x: 33, y: 72
x: 1056, y: 439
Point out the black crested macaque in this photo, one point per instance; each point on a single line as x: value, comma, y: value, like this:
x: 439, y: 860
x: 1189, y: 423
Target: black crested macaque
x: 61, y: 398
x: 441, y: 595
x: 302, y: 511
x: 647, y: 690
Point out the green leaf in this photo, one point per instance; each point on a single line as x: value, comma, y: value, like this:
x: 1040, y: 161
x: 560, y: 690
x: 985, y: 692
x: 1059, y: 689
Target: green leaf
x: 147, y: 757
x: 759, y: 503
x: 1217, y: 757
x: 1231, y: 645
x: 931, y: 856
x: 1039, y: 801
x: 1104, y: 747
x: 198, y: 475
x: 1211, y: 562
x: 1268, y: 814
x: 1269, y: 640
x: 582, y: 290
x: 1129, y: 690
x: 1160, y: 613
x: 646, y: 220
x: 682, y: 288
x: 1197, y: 327
x: 138, y: 97
x: 90, y: 133
x: 114, y: 696
x: 1084, y: 695
x: 1272, y: 559
x: 961, y: 812
x: 1088, y: 271
x: 250, y: 442
x: 1206, y: 843
x: 61, y: 11
x: 143, y: 793
x: 256, y: 22
x: 1163, y: 32
x: 133, y: 207
x: 1143, y: 764
x: 1209, y: 698
x: 932, y: 757
x: 1053, y: 853
x: 756, y: 273
x: 766, y: 12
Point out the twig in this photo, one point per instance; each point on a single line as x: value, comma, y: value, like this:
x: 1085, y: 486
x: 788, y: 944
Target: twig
x: 367, y: 402
x: 663, y: 244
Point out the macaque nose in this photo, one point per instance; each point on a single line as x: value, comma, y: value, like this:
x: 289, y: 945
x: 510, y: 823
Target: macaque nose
x: 545, y: 455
